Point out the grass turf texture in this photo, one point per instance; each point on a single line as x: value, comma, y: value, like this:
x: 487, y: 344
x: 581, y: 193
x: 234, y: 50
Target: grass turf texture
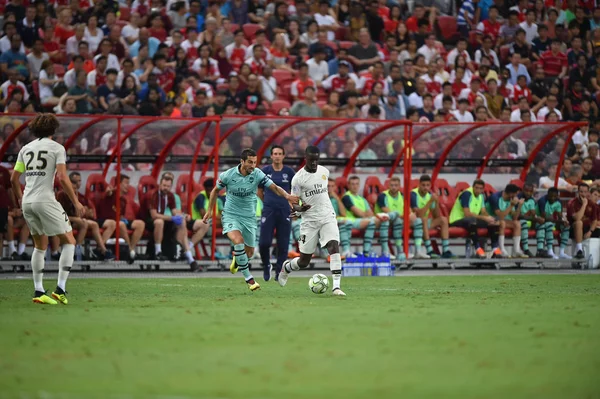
x: 527, y: 336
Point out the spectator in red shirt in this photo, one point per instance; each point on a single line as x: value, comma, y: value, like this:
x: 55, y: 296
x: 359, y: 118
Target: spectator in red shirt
x: 107, y: 215
x: 554, y: 61
x: 582, y: 215
x: 156, y: 205
x: 297, y: 88
x: 418, y: 15
x: 64, y: 29
x: 82, y: 225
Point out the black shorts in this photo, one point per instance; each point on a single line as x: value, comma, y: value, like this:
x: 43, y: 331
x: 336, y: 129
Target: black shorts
x: 190, y: 224
x: 3, y: 220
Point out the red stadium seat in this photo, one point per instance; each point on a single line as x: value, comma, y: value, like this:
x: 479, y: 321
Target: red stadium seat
x: 59, y: 70
x: 504, y: 54
x: 333, y: 45
x: 284, y: 92
x: 461, y: 186
x: 342, y: 33
x: 445, y: 191
x: 372, y: 186
x: 321, y: 103
x: 147, y: 184
x: 346, y: 45
x: 125, y: 13
x: 95, y: 187
x: 342, y: 184
x: 282, y: 76
x: 234, y: 27
x: 222, y: 86
x: 277, y: 105
x: 414, y: 183
x: 517, y: 182
x: 473, y: 38
x: 372, y: 199
x: 250, y: 30
x: 489, y: 189
x: 182, y: 189
x: 448, y: 28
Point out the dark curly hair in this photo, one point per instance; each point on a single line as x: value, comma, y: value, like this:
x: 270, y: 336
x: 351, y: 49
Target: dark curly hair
x: 44, y: 125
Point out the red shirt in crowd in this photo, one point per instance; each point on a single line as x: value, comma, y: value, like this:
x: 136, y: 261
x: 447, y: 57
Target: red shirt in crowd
x: 236, y: 56
x: 519, y: 91
x: 492, y: 29
x: 63, y: 34
x: 68, y: 206
x: 107, y: 209
x: 165, y: 78
x: 159, y: 202
x: 553, y: 64
x: 298, y: 87
x: 457, y: 87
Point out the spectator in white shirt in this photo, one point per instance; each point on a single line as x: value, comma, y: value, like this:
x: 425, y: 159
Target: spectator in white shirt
x: 318, y: 68
x: 269, y: 84
x: 460, y: 49
x: 73, y: 42
x: 36, y: 58
x: 416, y: 98
x: 548, y: 181
x: 446, y: 92
x: 429, y: 50
x: 516, y: 115
x: 93, y: 35
x: 530, y: 27
x: 551, y: 103
x: 131, y: 31
x: 325, y: 20
x: 106, y: 50
x: 462, y: 114
x: 5, y: 42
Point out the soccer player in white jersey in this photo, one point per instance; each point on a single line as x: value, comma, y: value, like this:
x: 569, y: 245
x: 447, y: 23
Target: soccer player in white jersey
x: 40, y: 160
x: 318, y: 224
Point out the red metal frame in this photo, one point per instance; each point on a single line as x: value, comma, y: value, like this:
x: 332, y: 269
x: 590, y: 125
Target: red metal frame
x: 213, y: 241
x: 190, y: 183
x: 118, y: 192
x: 563, y: 153
x: 541, y: 145
x: 450, y: 147
x: 164, y: 153
x: 495, y: 147
x: 408, y: 144
x: 413, y: 139
x: 367, y: 140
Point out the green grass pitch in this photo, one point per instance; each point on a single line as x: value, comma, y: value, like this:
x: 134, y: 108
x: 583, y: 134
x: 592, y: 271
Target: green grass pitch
x: 520, y: 336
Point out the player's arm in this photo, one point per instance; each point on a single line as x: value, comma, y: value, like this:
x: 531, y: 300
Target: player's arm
x: 465, y: 199
x: 578, y: 216
x: 212, y: 200
x: 15, y: 182
x: 349, y: 204
x: 382, y: 202
x: 516, y: 213
x: 293, y: 199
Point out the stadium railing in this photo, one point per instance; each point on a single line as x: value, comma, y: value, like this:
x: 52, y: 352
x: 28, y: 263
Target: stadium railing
x: 192, y: 147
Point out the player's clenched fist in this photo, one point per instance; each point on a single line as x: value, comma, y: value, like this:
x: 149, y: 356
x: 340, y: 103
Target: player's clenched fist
x: 294, y: 199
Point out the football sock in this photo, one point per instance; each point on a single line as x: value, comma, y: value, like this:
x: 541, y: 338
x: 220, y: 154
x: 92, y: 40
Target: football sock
x: 418, y: 233
x: 64, y: 265
x: 549, y: 234
x: 472, y: 230
x: 78, y: 252
x: 335, y: 265
x: 345, y: 233
x: 564, y: 239
x: 369, y: 234
x: 445, y: 245
x: 428, y: 246
x: 11, y: 247
x: 525, y: 235
x: 37, y: 266
x: 501, y: 243
x: 241, y: 258
x: 384, y: 236
x: 189, y: 257
x: 21, y: 248
x: 397, y: 234
x: 579, y: 247
x: 293, y: 265
x: 540, y: 236
x: 157, y: 249
x: 516, y: 244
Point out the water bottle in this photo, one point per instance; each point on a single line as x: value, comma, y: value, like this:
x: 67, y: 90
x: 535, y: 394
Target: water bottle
x: 468, y: 249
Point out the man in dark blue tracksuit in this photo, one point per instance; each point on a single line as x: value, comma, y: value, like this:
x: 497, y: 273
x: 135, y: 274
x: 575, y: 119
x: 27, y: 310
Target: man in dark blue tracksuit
x: 276, y: 213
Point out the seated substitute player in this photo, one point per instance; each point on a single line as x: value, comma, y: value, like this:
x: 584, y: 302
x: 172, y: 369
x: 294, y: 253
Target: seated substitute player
x: 17, y: 221
x: 581, y: 214
x: 360, y: 216
x: 238, y: 219
x: 506, y: 208
x: 318, y: 223
x: 199, y: 206
x: 549, y: 211
x: 426, y: 206
x: 107, y: 214
x: 40, y: 160
x: 469, y: 213
x: 159, y: 222
x: 528, y: 217
x: 345, y: 228
x: 391, y: 202
x: 83, y: 224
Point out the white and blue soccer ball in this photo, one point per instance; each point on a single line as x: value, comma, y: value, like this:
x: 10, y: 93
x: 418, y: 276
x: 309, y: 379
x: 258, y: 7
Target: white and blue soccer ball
x: 318, y: 283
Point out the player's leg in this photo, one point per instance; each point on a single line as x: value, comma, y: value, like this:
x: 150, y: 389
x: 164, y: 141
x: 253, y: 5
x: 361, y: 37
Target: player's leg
x: 10, y: 237
x: 384, y: 236
x: 470, y: 225
x: 181, y: 236
x: 525, y: 225
x: 441, y: 222
x: 345, y: 229
x: 284, y: 228
x: 493, y: 233
x: 368, y: 225
x: 40, y: 242
x: 397, y: 224
x: 549, y: 236
x: 428, y: 225
x: 101, y: 247
x: 265, y: 240
x: 240, y: 256
x: 109, y: 227
x: 138, y: 227
x: 577, y: 231
x: 3, y: 228
x: 199, y: 229
x: 23, y: 237
x: 158, y: 232
x: 564, y: 241
x: 294, y: 237
x: 419, y: 228
x: 541, y: 240
x: 515, y: 225
x: 329, y: 235
x: 81, y: 226
x: 309, y: 239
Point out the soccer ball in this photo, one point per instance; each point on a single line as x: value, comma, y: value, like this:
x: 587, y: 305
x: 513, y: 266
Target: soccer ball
x: 318, y: 283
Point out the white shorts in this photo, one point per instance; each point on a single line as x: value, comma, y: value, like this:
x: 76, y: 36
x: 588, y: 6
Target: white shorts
x: 312, y: 233
x: 46, y: 218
